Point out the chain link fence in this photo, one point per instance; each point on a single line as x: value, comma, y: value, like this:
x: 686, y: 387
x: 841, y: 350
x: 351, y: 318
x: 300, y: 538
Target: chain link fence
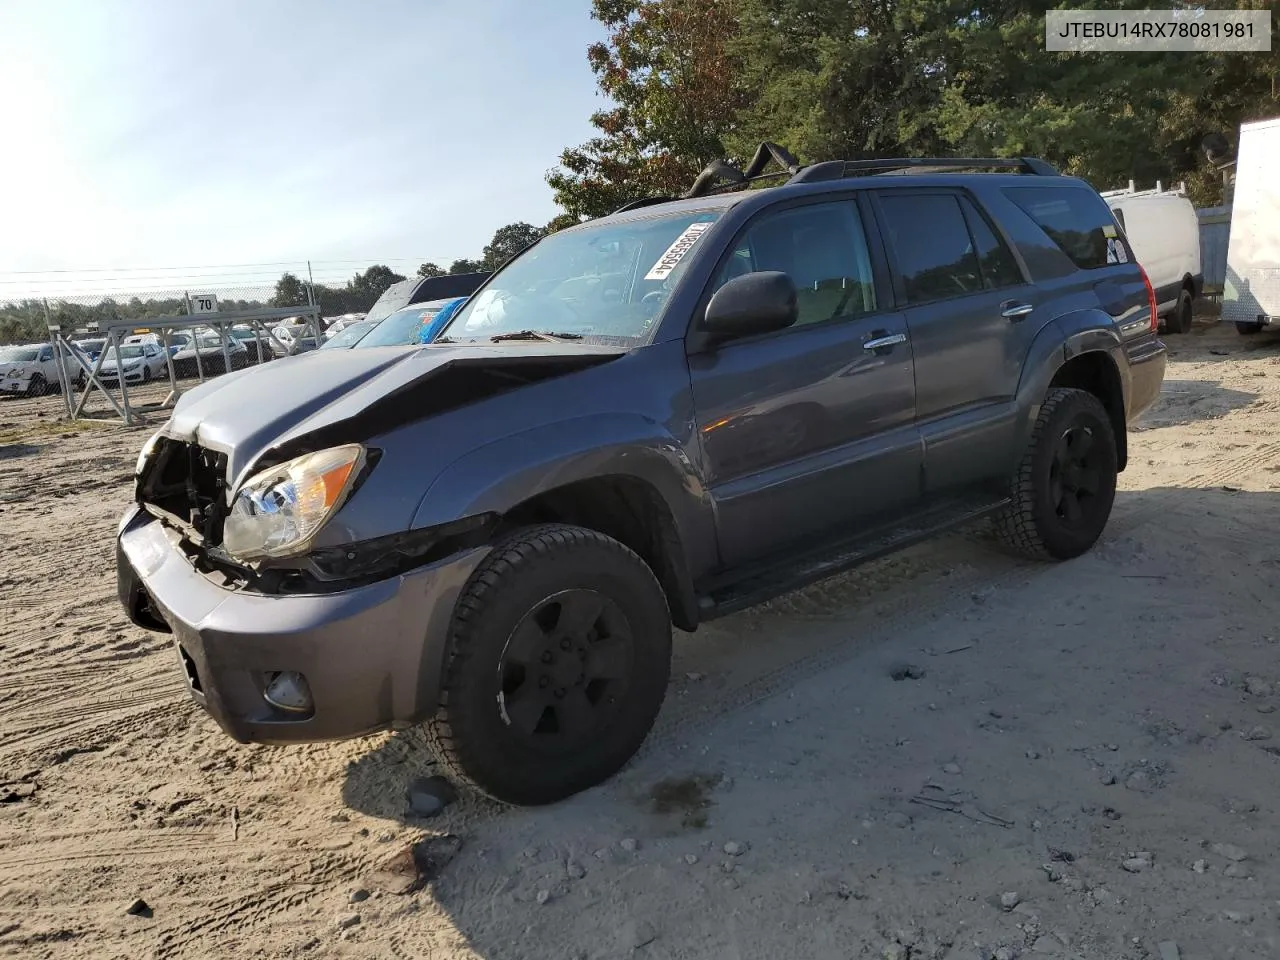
x: 119, y: 356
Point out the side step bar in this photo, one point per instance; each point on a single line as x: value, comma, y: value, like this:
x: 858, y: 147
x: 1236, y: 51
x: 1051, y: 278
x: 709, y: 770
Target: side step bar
x: 762, y: 582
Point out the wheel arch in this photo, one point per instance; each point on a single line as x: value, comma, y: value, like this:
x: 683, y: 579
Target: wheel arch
x: 1079, y: 350
x: 621, y: 475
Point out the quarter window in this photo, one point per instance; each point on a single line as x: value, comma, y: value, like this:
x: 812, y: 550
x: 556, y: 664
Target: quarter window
x: 1077, y: 220
x: 823, y: 248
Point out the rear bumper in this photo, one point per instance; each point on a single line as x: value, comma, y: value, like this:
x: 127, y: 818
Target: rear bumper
x: 1147, y: 363
x: 372, y: 656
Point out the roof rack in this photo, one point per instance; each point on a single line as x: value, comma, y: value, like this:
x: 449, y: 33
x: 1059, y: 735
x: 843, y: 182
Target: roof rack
x: 719, y: 175
x: 1133, y: 191
x: 722, y: 170
x: 839, y: 169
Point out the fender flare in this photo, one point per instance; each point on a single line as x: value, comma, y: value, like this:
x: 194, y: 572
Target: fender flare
x: 1060, y: 341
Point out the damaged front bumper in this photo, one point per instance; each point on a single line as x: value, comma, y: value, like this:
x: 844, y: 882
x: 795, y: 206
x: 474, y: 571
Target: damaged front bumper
x: 371, y: 656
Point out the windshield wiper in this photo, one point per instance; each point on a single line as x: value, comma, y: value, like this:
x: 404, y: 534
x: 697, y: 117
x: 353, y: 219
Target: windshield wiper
x: 534, y: 335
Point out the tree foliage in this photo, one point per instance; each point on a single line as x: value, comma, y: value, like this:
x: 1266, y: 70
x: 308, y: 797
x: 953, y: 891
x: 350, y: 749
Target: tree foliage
x: 674, y: 90
x: 466, y: 266
x: 508, y: 241
x: 692, y: 80
x: 430, y: 270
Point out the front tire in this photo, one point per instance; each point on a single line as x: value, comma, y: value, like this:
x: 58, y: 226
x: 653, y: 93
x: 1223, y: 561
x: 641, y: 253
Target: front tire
x: 37, y: 387
x: 559, y: 656
x: 1180, y: 320
x: 1065, y: 485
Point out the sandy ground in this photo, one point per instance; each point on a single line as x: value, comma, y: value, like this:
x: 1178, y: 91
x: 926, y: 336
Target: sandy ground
x: 1086, y: 767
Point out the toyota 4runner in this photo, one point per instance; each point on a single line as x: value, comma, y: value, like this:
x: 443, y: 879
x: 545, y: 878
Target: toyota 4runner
x: 653, y: 418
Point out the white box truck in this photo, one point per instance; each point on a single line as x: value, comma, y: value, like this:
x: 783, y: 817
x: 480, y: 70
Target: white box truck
x: 1251, y: 291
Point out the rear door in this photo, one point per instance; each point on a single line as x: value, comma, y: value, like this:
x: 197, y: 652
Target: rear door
x: 972, y: 314
x: 810, y: 429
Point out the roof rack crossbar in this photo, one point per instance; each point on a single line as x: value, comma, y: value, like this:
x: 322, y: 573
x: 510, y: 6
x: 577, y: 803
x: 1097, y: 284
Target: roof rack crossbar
x: 839, y: 169
x: 716, y: 171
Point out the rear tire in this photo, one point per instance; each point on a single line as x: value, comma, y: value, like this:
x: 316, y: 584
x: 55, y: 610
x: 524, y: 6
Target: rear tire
x: 1248, y: 329
x: 1065, y: 485
x: 1180, y: 320
x: 558, y: 661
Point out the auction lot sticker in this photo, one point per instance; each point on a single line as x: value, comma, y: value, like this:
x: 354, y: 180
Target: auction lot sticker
x: 675, y: 253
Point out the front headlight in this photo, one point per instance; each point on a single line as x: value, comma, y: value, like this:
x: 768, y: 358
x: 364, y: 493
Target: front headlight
x: 148, y: 449
x: 277, y: 512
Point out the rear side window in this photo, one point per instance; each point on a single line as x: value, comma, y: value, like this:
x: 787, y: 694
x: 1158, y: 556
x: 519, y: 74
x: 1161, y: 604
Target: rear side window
x: 934, y: 250
x: 1078, y: 221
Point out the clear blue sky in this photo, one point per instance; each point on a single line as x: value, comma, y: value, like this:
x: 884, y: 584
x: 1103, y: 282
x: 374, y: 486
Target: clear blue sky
x: 138, y: 133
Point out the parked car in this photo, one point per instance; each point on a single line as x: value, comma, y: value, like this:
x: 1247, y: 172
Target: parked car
x: 512, y: 518
x: 292, y: 339
x: 31, y: 370
x: 448, y: 308
x: 340, y: 323
x: 90, y: 348
x: 409, y: 325
x: 213, y: 352
x: 257, y: 345
x: 1164, y: 232
x: 417, y: 290
x: 140, y: 362
x: 349, y: 335
x: 1251, y: 293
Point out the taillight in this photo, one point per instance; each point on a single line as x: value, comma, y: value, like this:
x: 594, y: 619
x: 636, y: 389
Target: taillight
x: 1151, y: 299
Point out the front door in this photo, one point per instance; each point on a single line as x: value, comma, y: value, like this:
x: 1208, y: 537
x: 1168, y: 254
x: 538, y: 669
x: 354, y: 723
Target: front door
x: 809, y: 431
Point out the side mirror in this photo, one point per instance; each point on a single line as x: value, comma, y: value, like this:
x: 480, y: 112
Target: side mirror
x: 754, y: 303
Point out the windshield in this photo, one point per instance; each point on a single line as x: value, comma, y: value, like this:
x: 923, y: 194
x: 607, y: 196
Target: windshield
x: 606, y: 281
x: 400, y: 328
x: 17, y: 354
x: 347, y: 336
x: 128, y: 352
x: 213, y: 341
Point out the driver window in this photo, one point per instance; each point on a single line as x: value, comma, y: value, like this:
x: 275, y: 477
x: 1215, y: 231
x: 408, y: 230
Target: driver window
x: 823, y: 248
x: 934, y: 250
x: 46, y: 353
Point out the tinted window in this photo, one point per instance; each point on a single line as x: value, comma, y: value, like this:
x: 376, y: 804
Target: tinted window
x: 46, y: 353
x: 1077, y: 220
x: 822, y: 248
x: 999, y: 269
x: 934, y: 250
x: 1119, y: 214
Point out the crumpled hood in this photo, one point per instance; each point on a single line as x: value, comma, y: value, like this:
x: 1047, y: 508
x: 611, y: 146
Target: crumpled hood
x: 244, y: 413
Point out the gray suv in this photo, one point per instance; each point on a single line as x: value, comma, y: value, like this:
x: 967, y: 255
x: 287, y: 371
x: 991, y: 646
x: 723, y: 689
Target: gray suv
x: 653, y: 418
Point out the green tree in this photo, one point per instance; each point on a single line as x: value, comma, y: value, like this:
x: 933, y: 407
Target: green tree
x: 873, y: 78
x: 290, y: 292
x: 373, y: 282
x: 672, y: 80
x: 466, y: 266
x: 430, y: 270
x: 508, y: 241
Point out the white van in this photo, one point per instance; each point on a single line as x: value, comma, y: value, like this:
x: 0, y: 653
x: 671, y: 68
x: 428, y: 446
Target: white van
x: 1251, y: 293
x: 1162, y: 227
